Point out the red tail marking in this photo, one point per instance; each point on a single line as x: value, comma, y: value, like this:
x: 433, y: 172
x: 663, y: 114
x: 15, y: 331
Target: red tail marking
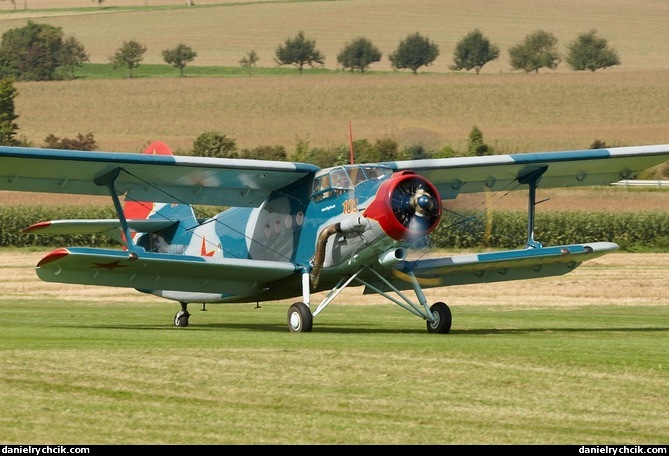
x: 203, y: 249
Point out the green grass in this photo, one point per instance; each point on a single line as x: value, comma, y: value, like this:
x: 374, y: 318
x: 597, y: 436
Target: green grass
x: 82, y: 373
x: 107, y: 71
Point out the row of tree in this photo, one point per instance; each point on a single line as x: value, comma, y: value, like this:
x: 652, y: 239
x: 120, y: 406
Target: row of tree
x: 41, y: 52
x: 538, y: 50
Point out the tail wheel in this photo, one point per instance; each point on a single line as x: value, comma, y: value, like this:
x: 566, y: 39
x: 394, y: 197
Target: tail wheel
x: 300, y: 318
x: 442, y: 319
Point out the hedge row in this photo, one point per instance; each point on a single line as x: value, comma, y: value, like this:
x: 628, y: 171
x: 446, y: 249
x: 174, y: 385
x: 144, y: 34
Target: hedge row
x: 503, y: 229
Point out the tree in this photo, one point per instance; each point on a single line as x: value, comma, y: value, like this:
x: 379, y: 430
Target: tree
x: 473, y: 52
x: 476, y: 145
x: 249, y: 61
x: 72, y: 55
x: 277, y: 153
x: 8, y: 116
x: 589, y: 52
x: 358, y: 55
x: 414, y: 152
x: 81, y: 142
x: 414, y: 52
x: 129, y: 55
x: 299, y: 52
x: 214, y: 144
x: 31, y: 53
x: 179, y: 57
x: 538, y: 50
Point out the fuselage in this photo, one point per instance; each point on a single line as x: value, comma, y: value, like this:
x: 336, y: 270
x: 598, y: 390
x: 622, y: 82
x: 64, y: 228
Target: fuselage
x: 326, y: 214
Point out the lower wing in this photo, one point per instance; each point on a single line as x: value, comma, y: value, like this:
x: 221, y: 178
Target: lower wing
x: 153, y: 271
x: 496, y: 266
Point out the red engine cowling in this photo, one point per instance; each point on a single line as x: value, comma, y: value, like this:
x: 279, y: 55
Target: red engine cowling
x: 407, y: 206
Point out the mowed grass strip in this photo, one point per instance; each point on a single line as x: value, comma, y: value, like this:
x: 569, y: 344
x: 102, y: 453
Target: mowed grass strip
x: 579, y: 359
x: 82, y: 373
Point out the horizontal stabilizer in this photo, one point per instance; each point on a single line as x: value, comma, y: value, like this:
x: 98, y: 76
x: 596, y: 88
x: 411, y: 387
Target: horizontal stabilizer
x: 499, y: 266
x: 96, y: 226
x: 107, y: 227
x: 156, y: 271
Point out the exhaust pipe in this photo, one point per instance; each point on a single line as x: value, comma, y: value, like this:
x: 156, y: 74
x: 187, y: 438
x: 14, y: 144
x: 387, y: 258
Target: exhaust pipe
x: 349, y: 225
x: 393, y: 256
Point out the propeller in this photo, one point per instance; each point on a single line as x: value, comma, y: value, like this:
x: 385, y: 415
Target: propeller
x: 407, y: 206
x: 414, y: 206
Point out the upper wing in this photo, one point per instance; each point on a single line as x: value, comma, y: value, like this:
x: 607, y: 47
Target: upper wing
x: 457, y: 175
x: 146, y: 177
x: 494, y: 266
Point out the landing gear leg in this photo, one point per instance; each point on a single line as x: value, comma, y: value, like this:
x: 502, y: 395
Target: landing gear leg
x: 181, y: 317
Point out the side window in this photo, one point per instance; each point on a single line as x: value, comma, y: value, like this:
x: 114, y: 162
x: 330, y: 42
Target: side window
x: 321, y: 188
x: 336, y: 182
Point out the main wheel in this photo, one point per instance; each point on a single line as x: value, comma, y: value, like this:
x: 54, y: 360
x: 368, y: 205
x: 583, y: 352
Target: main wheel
x: 181, y: 318
x: 442, y: 321
x: 300, y: 318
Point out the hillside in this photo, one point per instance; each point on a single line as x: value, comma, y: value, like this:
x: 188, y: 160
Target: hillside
x: 223, y: 32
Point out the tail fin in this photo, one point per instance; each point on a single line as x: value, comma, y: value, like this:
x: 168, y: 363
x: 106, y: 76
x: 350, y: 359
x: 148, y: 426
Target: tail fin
x: 174, y: 239
x: 134, y: 210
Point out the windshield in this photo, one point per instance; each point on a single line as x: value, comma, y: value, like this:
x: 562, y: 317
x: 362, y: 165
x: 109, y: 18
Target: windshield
x: 340, y: 179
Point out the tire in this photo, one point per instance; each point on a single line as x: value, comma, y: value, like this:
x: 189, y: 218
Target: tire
x: 443, y: 319
x: 300, y: 318
x: 181, y: 319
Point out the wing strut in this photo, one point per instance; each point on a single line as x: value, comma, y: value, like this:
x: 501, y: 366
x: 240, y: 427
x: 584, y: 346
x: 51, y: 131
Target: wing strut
x: 420, y: 309
x: 532, y: 180
x: 109, y: 180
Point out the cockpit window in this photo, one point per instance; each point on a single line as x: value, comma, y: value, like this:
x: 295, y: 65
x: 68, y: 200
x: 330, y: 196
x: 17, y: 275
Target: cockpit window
x: 335, y: 181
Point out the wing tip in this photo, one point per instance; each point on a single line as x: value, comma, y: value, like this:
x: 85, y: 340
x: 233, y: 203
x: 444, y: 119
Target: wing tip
x: 36, y: 227
x: 53, y: 256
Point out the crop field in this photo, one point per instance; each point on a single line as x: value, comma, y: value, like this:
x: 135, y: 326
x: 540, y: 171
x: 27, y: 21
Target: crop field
x: 577, y: 359
x: 517, y: 112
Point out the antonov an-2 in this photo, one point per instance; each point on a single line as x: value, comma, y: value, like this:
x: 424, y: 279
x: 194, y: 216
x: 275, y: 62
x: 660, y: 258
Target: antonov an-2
x: 292, y: 229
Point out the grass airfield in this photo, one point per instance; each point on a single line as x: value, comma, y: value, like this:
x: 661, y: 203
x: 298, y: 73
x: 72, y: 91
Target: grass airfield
x: 580, y: 359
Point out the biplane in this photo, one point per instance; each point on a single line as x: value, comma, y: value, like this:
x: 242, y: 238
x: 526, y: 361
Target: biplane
x: 288, y: 231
